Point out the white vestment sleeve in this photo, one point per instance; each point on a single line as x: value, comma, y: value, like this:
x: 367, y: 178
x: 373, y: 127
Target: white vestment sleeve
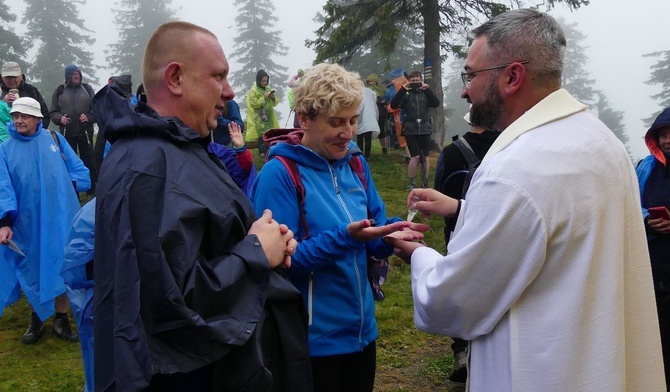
x: 494, y: 256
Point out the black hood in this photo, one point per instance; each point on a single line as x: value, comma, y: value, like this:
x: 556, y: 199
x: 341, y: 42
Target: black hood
x: 651, y: 137
x: 125, y: 85
x: 117, y: 118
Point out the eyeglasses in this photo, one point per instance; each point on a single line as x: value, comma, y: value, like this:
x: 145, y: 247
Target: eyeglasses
x: 467, y: 77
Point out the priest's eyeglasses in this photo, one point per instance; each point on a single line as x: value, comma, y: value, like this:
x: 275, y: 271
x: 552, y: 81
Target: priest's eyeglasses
x: 467, y: 77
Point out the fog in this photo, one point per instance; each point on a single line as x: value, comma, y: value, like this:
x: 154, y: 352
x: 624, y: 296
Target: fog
x: 618, y: 33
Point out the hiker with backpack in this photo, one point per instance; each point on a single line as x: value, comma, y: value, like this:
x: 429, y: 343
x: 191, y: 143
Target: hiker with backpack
x: 338, y: 222
x: 71, y: 109
x: 455, y: 167
x: 37, y: 204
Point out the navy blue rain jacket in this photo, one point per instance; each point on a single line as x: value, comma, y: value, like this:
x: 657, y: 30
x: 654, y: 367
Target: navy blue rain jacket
x: 178, y: 282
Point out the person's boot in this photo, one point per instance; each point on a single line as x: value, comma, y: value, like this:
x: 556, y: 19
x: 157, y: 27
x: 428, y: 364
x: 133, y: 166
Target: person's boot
x: 460, y: 371
x: 34, y: 331
x: 63, y: 329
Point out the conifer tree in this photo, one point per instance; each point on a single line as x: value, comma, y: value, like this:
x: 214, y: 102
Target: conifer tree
x: 612, y: 118
x: 136, y: 21
x: 660, y: 75
x: 58, y: 32
x: 408, y: 55
x: 350, y: 24
x: 576, y: 77
x: 255, y: 46
x: 11, y: 46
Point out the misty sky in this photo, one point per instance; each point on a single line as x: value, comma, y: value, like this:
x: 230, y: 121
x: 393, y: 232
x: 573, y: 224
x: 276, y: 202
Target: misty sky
x: 618, y: 33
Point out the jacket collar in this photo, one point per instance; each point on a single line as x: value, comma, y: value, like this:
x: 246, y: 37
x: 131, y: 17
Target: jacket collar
x: 555, y: 106
x: 117, y: 117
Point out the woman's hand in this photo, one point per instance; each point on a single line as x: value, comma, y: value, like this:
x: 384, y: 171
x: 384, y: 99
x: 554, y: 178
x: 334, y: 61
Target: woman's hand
x: 236, y: 136
x: 363, y: 230
x: 6, y: 234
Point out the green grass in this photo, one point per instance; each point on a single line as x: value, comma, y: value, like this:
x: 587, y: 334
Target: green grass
x: 407, y: 359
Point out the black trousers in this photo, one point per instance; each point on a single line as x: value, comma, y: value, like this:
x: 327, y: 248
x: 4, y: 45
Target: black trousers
x: 663, y: 307
x: 364, y: 141
x: 81, y: 146
x: 347, y: 372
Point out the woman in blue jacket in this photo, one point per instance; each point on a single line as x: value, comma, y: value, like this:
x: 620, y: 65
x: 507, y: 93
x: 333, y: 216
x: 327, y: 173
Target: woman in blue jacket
x: 654, y: 179
x: 329, y: 265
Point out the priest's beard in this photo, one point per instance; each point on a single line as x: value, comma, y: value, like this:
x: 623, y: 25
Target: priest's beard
x: 487, y: 113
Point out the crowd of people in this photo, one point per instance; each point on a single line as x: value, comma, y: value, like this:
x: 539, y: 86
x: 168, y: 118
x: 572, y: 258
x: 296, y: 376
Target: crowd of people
x: 188, y: 271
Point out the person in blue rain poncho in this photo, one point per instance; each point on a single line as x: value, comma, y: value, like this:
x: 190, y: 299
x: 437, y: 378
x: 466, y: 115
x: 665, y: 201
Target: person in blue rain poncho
x: 37, y: 203
x: 78, y: 274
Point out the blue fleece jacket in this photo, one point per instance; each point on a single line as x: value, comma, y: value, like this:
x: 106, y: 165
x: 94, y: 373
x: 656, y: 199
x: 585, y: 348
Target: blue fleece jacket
x: 328, y: 268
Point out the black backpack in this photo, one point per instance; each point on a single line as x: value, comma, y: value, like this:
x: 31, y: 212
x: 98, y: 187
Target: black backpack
x: 472, y: 163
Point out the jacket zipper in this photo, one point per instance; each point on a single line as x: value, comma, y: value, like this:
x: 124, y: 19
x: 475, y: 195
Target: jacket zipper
x: 310, y: 300
x: 356, y: 269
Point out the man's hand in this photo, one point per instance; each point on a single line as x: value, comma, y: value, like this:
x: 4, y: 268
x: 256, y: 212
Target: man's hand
x: 6, y: 234
x: 363, y: 230
x: 432, y: 202
x: 277, y: 240
x: 403, y: 248
x: 64, y: 120
x: 659, y: 225
x: 83, y: 118
x: 236, y: 136
x: 9, y: 98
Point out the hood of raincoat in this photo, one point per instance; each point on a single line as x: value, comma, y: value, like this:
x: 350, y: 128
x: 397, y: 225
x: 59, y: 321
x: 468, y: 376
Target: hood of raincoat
x: 116, y: 116
x: 651, y: 138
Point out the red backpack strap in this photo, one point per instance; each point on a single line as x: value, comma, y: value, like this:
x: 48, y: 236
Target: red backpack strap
x: 292, y: 169
x: 357, y: 166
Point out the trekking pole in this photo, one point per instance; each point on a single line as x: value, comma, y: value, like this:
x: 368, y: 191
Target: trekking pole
x: 289, y: 117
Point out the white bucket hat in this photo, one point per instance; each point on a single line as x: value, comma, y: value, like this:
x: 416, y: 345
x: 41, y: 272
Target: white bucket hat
x: 27, y: 105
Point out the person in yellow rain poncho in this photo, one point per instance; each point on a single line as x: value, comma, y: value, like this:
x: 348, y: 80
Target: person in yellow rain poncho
x: 261, y: 100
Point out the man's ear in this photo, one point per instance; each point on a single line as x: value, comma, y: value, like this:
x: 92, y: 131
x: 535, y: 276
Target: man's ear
x: 515, y: 77
x: 173, y: 78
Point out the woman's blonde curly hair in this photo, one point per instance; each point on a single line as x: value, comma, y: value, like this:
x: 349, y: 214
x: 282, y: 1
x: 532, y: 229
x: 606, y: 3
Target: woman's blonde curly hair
x: 327, y: 88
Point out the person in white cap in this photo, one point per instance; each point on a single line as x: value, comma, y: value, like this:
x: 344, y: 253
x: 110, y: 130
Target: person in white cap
x: 37, y: 203
x: 14, y: 86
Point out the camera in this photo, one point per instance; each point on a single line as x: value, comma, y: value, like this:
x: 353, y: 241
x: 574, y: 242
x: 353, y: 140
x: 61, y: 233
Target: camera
x: 415, y: 85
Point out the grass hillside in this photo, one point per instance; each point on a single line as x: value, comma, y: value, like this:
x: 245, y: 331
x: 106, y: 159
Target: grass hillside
x: 407, y: 359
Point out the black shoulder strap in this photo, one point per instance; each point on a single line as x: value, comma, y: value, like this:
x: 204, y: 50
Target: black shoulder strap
x: 55, y: 137
x: 467, y: 152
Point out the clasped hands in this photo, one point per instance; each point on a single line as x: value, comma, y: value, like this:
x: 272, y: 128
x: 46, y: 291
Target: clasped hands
x: 276, y: 239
